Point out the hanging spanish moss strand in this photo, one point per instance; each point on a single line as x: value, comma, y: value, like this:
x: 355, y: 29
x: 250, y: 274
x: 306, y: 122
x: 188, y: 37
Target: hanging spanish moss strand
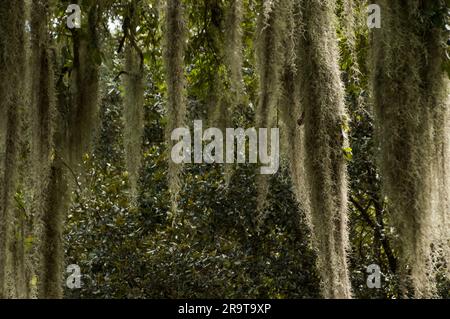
x: 42, y: 99
x: 55, y: 207
x: 233, y: 48
x: 293, y: 138
x: 270, y: 60
x: 134, y: 117
x: 291, y: 110
x: 174, y: 50
x: 19, y: 257
x: 40, y: 128
x: 24, y: 261
x: 20, y: 263
x: 412, y: 108
x: 350, y: 19
x: 218, y: 99
x: 220, y: 104
x: 443, y: 171
x: 233, y: 60
x: 87, y: 59
x: 323, y: 101
x: 50, y: 285
x: 439, y: 97
x: 12, y: 61
x: 133, y: 107
x: 48, y: 253
x: 353, y: 23
x: 222, y: 96
x: 227, y: 84
x: 441, y: 179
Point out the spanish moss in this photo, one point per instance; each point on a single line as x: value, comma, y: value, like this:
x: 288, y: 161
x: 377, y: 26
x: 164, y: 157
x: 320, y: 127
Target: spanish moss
x: 324, y: 120
x: 291, y: 110
x: 133, y: 107
x: 412, y: 111
x: 87, y: 59
x: 174, y: 51
x: 233, y: 47
x: 12, y: 62
x: 270, y: 60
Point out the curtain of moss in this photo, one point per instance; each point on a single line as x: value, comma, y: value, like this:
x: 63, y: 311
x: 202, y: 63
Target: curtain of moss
x: 410, y: 94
